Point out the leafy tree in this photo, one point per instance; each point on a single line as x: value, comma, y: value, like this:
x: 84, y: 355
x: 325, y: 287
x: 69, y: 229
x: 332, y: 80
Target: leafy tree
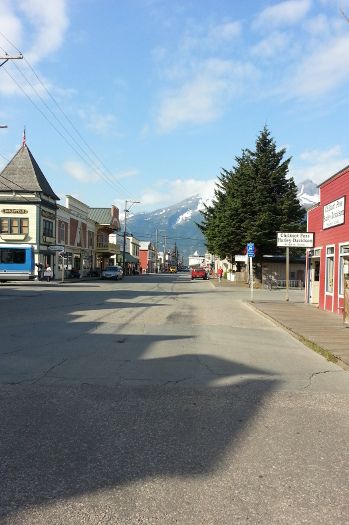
x: 252, y: 202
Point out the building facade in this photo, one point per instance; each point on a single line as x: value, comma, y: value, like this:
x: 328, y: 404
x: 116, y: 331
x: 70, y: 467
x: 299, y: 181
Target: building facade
x: 328, y: 261
x: 30, y: 214
x: 147, y: 257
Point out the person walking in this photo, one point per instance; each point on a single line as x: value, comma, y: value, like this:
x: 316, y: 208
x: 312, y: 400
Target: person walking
x: 220, y: 274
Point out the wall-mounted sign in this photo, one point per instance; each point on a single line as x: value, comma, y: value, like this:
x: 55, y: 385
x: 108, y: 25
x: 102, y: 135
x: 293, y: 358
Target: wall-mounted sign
x: 48, y: 215
x: 295, y: 240
x: 14, y: 210
x: 334, y: 213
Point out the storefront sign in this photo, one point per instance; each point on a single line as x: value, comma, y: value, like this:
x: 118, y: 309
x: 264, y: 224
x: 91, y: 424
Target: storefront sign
x: 334, y: 213
x: 48, y: 215
x: 15, y: 210
x: 295, y: 240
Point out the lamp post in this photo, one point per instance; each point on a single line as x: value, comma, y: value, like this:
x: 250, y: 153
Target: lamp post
x: 124, y: 247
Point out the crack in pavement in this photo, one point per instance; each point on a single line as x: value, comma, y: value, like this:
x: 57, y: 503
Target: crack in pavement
x: 48, y: 371
x: 320, y: 373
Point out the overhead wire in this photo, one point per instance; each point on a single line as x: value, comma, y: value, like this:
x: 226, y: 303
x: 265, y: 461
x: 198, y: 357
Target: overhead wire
x: 100, y: 168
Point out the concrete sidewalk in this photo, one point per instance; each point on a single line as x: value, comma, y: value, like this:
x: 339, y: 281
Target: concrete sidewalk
x: 322, y: 331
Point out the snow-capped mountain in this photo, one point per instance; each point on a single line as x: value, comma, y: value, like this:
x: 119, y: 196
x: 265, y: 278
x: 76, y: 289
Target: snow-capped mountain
x: 178, y: 223
x: 170, y: 225
x: 308, y: 193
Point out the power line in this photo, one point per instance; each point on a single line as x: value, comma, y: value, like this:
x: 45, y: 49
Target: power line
x: 107, y: 178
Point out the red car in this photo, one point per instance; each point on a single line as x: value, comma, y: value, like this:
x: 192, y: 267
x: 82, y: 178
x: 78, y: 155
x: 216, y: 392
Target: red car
x: 198, y: 273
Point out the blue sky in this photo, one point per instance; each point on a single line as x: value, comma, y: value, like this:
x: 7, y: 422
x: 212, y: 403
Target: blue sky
x: 156, y: 96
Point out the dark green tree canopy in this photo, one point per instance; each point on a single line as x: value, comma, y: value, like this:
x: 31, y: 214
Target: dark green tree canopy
x: 252, y: 202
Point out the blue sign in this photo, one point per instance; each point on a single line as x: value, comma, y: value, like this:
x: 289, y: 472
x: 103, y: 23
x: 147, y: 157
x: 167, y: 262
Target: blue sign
x: 250, y: 249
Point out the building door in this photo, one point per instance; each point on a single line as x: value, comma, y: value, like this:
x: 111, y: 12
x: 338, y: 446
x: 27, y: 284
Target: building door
x: 315, y: 280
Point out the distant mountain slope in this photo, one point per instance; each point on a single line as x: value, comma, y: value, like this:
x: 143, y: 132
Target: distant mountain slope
x: 177, y: 223
x: 173, y: 224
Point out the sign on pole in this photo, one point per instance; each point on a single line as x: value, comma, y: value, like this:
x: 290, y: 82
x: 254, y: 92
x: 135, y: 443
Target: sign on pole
x: 250, y: 255
x: 250, y: 249
x: 295, y: 240
x: 56, y: 248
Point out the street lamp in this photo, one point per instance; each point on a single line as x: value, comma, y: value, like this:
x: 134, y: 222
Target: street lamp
x: 124, y: 247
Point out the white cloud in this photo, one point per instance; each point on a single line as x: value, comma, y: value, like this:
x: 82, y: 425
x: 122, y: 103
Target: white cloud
x: 319, y: 165
x: 321, y: 71
x: 36, y: 28
x: 173, y: 191
x: 273, y: 44
x: 282, y: 14
x: 210, y: 37
x: 126, y: 174
x: 225, y: 31
x: 97, y: 122
x: 81, y: 172
x: 202, y: 98
x: 50, y: 22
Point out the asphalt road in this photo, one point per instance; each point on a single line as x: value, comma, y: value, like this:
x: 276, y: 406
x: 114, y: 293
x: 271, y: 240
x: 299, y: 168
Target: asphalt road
x: 157, y: 400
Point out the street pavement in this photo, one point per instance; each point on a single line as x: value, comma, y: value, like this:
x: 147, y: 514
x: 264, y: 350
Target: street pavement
x: 161, y: 400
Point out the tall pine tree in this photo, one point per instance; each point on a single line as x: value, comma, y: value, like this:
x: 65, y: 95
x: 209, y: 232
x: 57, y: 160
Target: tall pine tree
x: 253, y: 201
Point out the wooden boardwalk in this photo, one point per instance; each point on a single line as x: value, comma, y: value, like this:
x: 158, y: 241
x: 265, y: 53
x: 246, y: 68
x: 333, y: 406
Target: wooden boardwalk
x: 324, y: 329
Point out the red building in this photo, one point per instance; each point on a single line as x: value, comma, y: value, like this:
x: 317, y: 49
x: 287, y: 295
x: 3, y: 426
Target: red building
x: 147, y: 257
x: 328, y: 261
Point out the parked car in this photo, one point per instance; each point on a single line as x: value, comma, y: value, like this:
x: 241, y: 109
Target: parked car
x: 112, y: 272
x: 198, y: 273
x: 173, y: 269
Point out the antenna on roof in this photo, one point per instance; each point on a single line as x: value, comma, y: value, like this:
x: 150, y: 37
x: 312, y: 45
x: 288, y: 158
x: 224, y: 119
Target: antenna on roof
x: 24, y: 140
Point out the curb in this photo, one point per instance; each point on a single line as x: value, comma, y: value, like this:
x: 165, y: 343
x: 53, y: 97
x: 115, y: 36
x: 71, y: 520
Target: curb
x: 329, y: 356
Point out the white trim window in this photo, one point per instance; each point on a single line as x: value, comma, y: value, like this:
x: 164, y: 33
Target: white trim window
x: 329, y: 269
x: 343, y: 253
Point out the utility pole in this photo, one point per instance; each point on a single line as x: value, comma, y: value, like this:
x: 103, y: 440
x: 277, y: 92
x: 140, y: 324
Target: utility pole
x: 124, y: 246
x: 7, y: 57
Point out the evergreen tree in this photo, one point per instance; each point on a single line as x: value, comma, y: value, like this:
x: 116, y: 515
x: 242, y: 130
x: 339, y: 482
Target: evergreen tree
x: 252, y: 202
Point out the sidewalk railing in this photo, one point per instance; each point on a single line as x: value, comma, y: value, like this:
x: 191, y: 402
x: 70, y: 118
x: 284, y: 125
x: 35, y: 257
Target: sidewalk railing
x: 281, y: 283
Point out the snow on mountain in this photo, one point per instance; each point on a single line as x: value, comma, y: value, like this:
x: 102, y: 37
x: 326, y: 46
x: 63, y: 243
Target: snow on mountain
x: 308, y: 193
x: 178, y: 223
x: 184, y: 217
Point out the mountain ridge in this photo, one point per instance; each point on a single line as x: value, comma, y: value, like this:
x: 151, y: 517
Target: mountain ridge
x: 177, y: 224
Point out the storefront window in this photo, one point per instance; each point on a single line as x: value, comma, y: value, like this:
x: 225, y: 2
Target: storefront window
x: 329, y: 269
x: 343, y: 257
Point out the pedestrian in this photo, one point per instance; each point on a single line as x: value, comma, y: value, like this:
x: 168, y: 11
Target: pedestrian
x: 220, y: 274
x: 48, y: 273
x: 40, y: 268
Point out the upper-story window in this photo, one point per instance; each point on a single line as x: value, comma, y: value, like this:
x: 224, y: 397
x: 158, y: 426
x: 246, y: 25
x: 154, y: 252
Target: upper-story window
x: 14, y: 225
x: 48, y: 228
x: 91, y: 239
x: 62, y: 231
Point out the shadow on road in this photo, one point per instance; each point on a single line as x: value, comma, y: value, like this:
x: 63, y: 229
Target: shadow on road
x: 62, y: 441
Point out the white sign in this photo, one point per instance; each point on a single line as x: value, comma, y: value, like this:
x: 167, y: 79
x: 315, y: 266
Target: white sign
x: 55, y: 248
x: 295, y: 240
x: 334, y: 213
x: 241, y: 258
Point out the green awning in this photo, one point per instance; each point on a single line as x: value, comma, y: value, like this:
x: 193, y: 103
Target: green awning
x: 129, y: 258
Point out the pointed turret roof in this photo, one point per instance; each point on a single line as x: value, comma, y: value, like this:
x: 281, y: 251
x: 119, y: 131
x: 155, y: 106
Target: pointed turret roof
x: 22, y: 173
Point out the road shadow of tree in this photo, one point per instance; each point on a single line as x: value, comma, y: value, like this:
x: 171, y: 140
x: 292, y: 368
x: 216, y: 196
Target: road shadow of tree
x: 62, y: 441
